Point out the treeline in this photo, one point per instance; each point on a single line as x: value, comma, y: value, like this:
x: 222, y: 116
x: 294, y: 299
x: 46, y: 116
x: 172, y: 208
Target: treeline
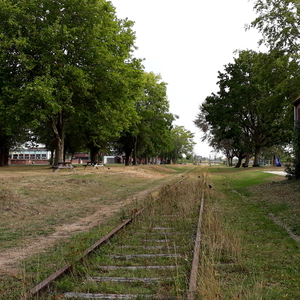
x: 69, y: 80
x: 252, y: 111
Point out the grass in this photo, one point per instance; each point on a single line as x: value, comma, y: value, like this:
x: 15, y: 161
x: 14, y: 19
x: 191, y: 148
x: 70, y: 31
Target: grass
x: 36, y: 203
x: 34, y: 197
x: 176, y: 210
x: 246, y: 254
x: 250, y: 218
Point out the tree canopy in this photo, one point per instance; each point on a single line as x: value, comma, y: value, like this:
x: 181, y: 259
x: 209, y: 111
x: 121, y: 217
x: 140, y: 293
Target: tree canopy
x: 252, y: 107
x: 279, y: 23
x: 69, y: 79
x: 149, y: 135
x: 69, y: 60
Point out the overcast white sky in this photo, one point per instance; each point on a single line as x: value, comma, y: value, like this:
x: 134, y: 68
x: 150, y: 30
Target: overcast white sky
x: 187, y: 43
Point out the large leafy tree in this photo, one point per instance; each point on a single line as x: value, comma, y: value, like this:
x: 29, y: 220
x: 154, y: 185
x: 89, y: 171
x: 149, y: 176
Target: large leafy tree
x: 149, y: 134
x: 13, y: 128
x: 72, y: 57
x: 279, y: 21
x: 252, y: 105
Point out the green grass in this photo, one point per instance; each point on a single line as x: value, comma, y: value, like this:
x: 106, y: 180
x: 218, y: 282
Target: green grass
x: 245, y: 253
x: 178, y: 201
x: 269, y: 266
x: 35, y: 202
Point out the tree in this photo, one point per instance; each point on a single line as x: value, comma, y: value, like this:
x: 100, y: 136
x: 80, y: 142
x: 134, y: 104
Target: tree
x: 181, y: 142
x: 278, y: 21
x: 252, y: 105
x: 293, y: 170
x: 148, y: 135
x: 13, y: 128
x: 70, y: 55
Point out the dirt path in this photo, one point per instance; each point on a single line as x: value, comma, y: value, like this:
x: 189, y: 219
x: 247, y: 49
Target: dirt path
x: 10, y: 258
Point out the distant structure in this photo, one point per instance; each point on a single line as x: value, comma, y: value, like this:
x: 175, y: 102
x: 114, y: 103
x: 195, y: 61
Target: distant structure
x: 297, y: 109
x: 29, y: 156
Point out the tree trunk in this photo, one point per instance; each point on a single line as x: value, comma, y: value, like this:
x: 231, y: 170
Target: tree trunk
x: 238, y: 164
x: 4, y: 150
x: 59, y: 151
x: 229, y: 160
x: 247, y: 160
x: 256, y: 156
x: 51, y: 157
x: 94, y: 152
x: 2, y: 158
x: 59, y: 138
x: 240, y: 158
x: 4, y: 154
x: 127, y: 157
x: 134, y: 162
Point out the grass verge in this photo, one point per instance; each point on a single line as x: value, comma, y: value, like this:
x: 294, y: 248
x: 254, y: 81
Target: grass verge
x: 246, y: 255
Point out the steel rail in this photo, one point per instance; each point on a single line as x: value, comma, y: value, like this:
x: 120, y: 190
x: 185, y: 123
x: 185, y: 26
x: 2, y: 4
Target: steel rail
x: 195, y: 263
x: 46, y: 282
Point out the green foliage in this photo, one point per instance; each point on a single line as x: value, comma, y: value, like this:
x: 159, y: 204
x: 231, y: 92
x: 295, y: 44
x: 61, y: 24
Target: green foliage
x: 149, y: 135
x: 182, y: 143
x: 252, y: 107
x: 278, y: 21
x: 69, y: 60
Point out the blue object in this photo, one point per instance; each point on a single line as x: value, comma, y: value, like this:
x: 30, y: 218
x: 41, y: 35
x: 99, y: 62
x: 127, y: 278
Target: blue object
x: 277, y: 162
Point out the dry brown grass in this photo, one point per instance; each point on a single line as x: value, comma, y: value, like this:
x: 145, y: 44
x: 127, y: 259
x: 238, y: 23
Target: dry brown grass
x: 39, y: 207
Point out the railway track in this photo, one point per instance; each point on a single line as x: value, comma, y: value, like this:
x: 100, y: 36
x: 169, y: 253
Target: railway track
x: 153, y: 255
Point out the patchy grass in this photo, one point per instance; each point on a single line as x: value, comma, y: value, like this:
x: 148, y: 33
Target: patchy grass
x: 251, y: 256
x: 34, y: 200
x: 41, y: 210
x: 250, y: 230
x: 174, y: 212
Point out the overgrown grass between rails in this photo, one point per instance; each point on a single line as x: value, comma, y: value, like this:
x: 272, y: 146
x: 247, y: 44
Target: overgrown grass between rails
x: 177, y: 209
x: 259, y: 260
x: 37, y: 268
x: 40, y: 266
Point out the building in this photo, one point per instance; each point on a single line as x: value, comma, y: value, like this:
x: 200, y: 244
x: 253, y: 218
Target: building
x: 297, y: 109
x: 30, y: 156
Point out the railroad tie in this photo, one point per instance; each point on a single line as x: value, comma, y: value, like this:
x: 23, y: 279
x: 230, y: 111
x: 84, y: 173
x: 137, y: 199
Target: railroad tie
x: 130, y: 279
x: 112, y: 268
x: 113, y: 296
x: 150, y: 247
x: 146, y: 255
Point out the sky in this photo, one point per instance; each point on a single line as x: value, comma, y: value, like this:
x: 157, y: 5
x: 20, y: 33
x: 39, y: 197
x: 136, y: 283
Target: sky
x: 187, y: 43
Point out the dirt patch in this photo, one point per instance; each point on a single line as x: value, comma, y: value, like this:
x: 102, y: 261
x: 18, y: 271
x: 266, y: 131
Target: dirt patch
x: 10, y: 259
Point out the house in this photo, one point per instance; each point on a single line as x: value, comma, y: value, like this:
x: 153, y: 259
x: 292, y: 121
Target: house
x: 29, y: 156
x: 81, y: 157
x: 113, y: 159
x: 297, y: 109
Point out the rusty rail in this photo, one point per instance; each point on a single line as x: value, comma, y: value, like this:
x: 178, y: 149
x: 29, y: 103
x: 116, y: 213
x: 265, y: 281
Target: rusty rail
x: 195, y: 263
x: 46, y: 282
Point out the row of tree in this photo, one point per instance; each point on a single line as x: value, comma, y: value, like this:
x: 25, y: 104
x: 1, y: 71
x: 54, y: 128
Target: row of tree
x: 252, y: 110
x: 69, y: 80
